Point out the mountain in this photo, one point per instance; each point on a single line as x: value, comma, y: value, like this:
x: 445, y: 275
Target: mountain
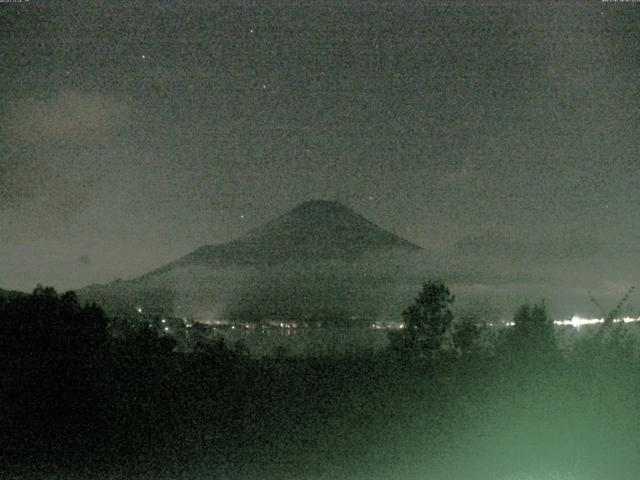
x: 312, y: 231
x: 319, y: 257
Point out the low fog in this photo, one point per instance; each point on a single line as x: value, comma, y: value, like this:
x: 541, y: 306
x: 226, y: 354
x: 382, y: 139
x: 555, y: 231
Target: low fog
x: 377, y: 287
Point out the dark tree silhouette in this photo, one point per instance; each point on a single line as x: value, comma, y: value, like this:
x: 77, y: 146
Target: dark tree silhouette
x: 466, y: 334
x: 426, y: 321
x: 532, y: 337
x: 51, y: 351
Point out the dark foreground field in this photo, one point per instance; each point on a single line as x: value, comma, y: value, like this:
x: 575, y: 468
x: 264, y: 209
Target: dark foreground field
x: 199, y: 417
x: 81, y: 399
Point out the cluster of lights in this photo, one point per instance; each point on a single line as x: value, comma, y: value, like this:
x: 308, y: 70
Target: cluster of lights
x: 578, y: 322
x: 165, y: 323
x: 575, y: 321
x: 288, y: 325
x: 386, y: 326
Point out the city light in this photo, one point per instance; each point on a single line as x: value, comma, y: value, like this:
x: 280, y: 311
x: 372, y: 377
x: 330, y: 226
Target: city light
x: 577, y: 321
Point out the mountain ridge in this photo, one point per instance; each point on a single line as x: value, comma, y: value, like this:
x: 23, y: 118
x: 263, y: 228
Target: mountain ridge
x: 313, y: 230
x: 320, y: 258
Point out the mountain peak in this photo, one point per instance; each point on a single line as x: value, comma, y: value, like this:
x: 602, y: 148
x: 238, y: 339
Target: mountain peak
x: 325, y: 227
x: 326, y: 205
x: 312, y: 230
x: 314, y: 215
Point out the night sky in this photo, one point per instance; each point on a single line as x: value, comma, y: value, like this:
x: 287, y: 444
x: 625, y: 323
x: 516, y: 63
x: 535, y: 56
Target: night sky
x: 501, y: 135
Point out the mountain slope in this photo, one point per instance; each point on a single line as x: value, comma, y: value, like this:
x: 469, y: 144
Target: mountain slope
x: 312, y: 231
x: 319, y: 259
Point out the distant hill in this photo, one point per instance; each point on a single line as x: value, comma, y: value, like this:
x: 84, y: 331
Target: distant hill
x: 10, y: 293
x: 285, y: 260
